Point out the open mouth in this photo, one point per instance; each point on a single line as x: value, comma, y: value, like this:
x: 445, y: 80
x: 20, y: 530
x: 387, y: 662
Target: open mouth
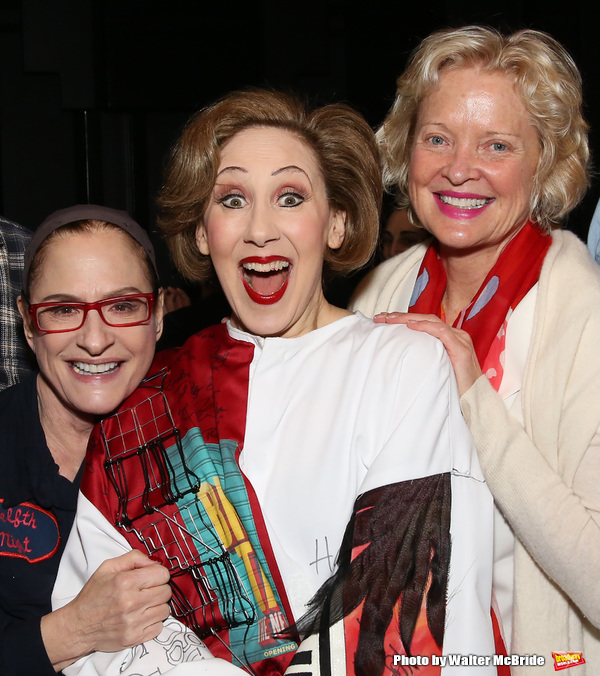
x: 83, y: 368
x: 464, y: 202
x: 266, y: 279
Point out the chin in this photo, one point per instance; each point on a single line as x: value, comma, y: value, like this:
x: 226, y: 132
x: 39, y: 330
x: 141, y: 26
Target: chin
x: 105, y: 400
x: 103, y: 407
x: 263, y: 327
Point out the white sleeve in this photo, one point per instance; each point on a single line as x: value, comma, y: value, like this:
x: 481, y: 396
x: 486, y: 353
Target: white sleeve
x: 176, y: 650
x: 92, y: 540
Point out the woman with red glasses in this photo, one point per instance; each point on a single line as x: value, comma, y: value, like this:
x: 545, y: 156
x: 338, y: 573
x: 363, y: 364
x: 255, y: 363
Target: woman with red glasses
x: 92, y: 315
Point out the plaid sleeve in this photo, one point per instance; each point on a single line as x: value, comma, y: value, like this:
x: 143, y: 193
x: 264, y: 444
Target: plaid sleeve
x: 15, y: 356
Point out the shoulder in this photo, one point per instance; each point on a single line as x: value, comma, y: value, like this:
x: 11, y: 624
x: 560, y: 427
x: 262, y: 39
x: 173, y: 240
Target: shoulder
x: 18, y: 400
x: 22, y: 440
x: 393, y: 270
x: 570, y: 278
x: 567, y: 251
x: 174, y: 368
x: 208, y: 340
x: 377, y: 290
x: 563, y: 352
x: 395, y: 344
x: 15, y: 236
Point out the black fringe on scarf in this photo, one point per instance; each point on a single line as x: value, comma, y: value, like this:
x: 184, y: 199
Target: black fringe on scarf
x: 406, y: 528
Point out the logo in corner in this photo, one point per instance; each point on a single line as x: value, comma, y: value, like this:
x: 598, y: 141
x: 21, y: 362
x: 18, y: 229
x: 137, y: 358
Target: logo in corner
x: 566, y: 660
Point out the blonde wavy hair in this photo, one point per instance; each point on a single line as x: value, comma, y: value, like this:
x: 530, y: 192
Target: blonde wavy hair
x: 549, y: 85
x: 341, y: 139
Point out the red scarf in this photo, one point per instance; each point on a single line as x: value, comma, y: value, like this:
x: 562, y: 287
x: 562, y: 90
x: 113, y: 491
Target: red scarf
x: 515, y: 272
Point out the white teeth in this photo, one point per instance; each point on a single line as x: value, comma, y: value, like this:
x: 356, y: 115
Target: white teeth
x: 84, y: 368
x: 267, y: 267
x: 464, y: 202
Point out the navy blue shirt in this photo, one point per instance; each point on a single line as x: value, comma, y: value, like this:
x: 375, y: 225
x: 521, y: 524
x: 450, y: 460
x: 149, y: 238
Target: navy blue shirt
x: 37, y: 509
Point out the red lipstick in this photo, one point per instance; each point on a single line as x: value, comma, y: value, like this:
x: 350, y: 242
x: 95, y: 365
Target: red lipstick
x: 265, y: 286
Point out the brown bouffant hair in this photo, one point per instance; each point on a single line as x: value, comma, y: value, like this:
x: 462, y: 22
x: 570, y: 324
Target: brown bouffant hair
x: 549, y: 85
x: 341, y: 139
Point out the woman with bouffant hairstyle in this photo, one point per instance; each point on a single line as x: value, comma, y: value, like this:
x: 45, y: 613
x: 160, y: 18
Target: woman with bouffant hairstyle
x: 487, y: 146
x: 340, y: 138
x: 304, y: 473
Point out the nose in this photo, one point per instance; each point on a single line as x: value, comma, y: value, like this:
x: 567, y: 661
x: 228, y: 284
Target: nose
x: 261, y: 227
x: 462, y: 165
x: 95, y: 336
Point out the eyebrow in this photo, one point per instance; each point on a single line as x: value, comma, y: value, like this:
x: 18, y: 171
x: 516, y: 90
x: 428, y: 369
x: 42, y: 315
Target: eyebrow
x: 69, y: 298
x: 489, y: 132
x: 289, y: 167
x: 245, y: 171
x: 502, y: 133
x: 294, y: 169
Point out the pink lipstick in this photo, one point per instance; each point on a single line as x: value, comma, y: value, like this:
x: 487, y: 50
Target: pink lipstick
x: 461, y: 206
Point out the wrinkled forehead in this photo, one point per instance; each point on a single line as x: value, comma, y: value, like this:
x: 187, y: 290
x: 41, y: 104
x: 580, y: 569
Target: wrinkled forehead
x: 273, y: 137
x: 108, y: 243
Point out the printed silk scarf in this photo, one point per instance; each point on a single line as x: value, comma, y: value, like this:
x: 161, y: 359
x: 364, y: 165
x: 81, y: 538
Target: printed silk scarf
x: 515, y: 272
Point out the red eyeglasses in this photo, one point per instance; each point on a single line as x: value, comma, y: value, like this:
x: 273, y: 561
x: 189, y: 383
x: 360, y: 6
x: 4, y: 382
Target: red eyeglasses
x: 63, y: 316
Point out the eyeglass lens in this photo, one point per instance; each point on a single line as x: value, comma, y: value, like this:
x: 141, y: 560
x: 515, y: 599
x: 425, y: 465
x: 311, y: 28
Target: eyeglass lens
x: 115, y: 312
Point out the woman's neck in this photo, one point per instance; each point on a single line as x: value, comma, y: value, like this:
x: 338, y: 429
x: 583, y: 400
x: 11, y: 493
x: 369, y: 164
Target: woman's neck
x: 465, y: 273
x: 318, y: 313
x: 67, y: 431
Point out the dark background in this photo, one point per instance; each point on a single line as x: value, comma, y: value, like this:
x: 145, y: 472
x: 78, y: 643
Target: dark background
x: 94, y: 92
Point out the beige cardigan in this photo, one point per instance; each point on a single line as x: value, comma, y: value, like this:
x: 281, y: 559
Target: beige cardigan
x: 545, y: 477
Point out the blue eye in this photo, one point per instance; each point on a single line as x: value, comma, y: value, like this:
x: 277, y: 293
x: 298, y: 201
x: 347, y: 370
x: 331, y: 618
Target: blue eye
x: 500, y: 147
x: 436, y: 140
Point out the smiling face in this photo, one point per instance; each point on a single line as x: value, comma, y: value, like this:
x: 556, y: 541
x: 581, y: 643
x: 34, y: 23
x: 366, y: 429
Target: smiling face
x: 473, y: 161
x: 88, y: 372
x: 266, y: 228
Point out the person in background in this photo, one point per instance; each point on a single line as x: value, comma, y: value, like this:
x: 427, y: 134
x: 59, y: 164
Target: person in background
x: 298, y: 451
x: 176, y: 298
x: 14, y: 353
x: 92, y: 314
x: 487, y: 147
x: 593, y: 238
x: 399, y: 234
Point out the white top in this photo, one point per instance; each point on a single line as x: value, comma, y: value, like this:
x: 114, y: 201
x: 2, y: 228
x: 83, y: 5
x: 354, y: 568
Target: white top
x: 332, y: 414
